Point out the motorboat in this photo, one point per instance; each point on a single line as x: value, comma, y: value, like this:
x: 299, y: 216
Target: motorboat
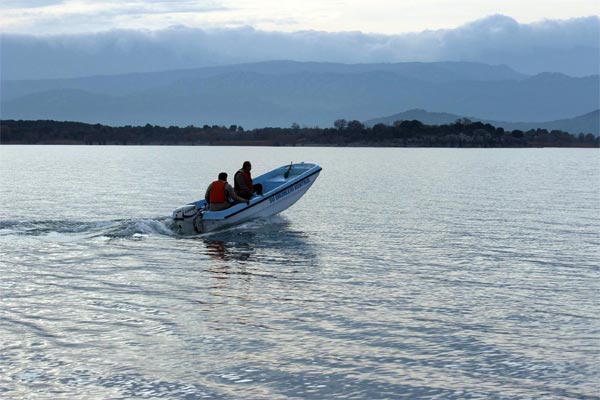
x: 282, y: 187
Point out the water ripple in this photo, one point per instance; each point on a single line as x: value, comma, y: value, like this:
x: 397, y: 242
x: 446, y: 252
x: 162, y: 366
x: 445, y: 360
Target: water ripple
x: 450, y: 274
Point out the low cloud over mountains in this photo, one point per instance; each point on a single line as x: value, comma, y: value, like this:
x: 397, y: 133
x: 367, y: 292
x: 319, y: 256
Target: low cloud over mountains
x: 567, y: 46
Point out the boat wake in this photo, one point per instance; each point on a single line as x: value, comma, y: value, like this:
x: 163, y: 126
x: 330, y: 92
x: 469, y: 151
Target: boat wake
x: 118, y: 229
x: 123, y: 228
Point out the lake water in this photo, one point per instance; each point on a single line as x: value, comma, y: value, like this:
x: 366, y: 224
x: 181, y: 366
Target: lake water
x: 402, y: 273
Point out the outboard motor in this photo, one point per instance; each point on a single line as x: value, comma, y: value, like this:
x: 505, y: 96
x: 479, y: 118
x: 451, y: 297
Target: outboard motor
x: 185, y: 218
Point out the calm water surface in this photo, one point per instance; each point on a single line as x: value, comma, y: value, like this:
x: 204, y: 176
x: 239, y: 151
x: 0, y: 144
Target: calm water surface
x: 402, y: 273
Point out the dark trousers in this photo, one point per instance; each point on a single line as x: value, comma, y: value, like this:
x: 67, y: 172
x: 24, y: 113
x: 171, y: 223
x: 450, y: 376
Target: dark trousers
x: 258, y: 189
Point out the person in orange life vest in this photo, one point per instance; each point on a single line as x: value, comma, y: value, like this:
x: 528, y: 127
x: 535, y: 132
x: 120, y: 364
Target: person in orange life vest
x: 242, y: 182
x: 218, y: 193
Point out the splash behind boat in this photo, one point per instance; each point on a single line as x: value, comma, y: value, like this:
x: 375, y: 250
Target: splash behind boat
x: 282, y: 187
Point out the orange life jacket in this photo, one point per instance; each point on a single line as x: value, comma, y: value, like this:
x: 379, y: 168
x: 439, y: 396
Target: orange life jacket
x: 217, y: 192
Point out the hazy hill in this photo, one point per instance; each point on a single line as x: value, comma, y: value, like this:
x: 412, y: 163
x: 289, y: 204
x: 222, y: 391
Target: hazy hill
x: 587, y: 123
x: 134, y: 82
x: 281, y: 93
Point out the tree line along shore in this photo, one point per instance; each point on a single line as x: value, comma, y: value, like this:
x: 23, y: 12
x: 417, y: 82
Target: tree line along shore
x: 461, y: 133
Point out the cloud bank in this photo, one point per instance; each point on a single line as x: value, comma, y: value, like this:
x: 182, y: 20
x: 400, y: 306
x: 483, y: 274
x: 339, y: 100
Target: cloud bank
x: 566, y: 46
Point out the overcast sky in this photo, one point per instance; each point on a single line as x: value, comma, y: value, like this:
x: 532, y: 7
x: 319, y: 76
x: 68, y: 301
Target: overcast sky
x: 41, y: 17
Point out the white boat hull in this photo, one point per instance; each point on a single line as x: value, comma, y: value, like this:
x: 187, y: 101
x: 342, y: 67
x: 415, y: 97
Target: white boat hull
x: 280, y: 192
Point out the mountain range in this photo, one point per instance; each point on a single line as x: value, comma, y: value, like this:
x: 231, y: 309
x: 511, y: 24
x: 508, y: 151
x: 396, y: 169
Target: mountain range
x: 279, y: 93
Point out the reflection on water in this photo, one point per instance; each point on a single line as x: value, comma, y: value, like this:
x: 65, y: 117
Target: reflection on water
x: 261, y: 241
x: 226, y: 251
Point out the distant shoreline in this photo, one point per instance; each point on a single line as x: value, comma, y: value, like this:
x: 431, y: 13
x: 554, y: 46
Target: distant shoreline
x: 460, y: 134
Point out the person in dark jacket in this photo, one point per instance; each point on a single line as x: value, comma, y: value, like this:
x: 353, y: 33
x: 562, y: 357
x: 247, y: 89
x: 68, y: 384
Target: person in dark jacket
x: 242, y: 182
x: 219, y: 192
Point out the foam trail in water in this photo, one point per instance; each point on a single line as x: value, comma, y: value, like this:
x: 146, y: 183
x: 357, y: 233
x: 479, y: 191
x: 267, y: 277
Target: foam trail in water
x: 111, y: 228
x: 139, y: 228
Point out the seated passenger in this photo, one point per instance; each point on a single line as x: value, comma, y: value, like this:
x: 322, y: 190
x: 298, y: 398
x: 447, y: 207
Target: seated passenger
x: 218, y: 193
x: 243, y: 182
